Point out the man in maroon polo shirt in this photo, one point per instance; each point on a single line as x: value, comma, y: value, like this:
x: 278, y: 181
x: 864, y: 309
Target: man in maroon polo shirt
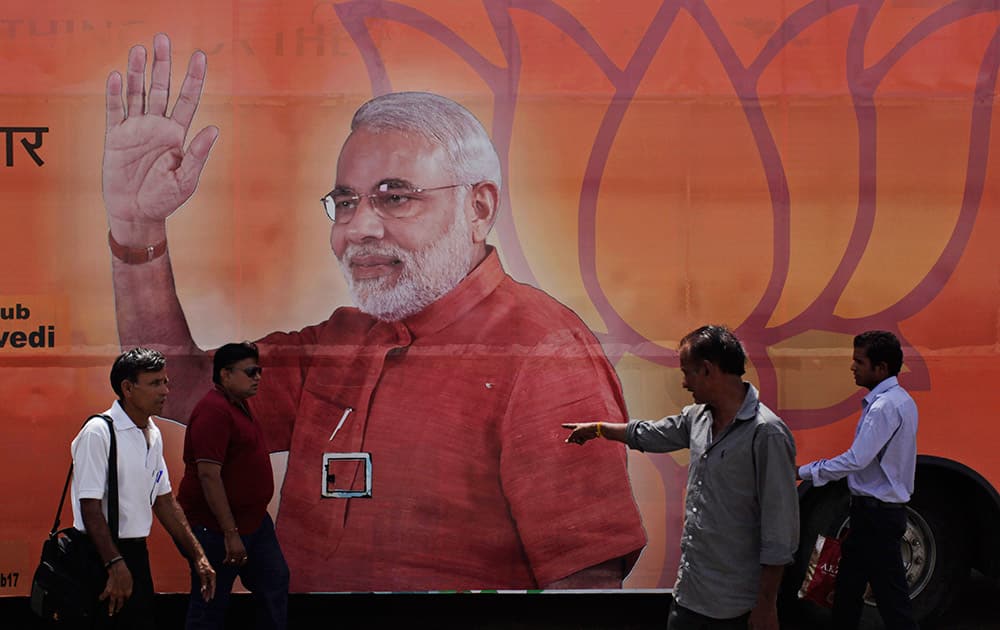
x: 226, y: 487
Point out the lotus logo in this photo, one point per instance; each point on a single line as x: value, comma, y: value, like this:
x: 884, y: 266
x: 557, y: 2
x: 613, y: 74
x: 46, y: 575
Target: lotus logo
x: 798, y: 176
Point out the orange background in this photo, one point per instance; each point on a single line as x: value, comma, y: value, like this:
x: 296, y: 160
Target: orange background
x: 671, y: 210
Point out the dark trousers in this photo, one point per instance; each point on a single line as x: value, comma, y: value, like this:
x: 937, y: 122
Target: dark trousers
x: 871, y: 554
x: 137, y: 613
x: 682, y: 618
x: 265, y: 575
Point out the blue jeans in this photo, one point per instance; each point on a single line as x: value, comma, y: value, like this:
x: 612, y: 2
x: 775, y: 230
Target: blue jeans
x: 265, y: 575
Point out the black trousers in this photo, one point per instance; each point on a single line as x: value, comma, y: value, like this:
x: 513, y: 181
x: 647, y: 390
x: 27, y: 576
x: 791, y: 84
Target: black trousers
x: 871, y: 554
x: 682, y: 618
x: 137, y: 613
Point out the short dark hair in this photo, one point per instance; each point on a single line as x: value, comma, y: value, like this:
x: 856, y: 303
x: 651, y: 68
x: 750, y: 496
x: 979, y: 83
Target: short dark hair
x: 130, y: 364
x: 718, y: 345
x: 232, y: 353
x: 881, y: 346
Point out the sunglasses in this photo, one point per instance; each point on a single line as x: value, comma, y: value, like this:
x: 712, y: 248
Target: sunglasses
x: 253, y: 371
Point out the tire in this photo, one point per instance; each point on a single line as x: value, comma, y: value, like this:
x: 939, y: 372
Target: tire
x: 937, y: 521
x: 935, y: 547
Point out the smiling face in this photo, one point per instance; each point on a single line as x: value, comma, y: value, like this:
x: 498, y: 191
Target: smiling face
x: 395, y: 267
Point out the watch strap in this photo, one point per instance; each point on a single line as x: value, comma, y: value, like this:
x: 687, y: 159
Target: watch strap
x: 136, y: 255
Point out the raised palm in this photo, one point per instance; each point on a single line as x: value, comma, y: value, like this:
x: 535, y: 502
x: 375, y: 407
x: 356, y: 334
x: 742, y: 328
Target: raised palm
x: 147, y: 173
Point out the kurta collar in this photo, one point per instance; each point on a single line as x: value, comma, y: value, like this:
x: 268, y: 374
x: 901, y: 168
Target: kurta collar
x: 451, y: 307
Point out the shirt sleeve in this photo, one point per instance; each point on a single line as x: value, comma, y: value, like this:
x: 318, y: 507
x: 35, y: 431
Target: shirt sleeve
x: 774, y: 457
x: 209, y: 430
x: 671, y: 433
x: 90, y: 459
x: 877, y: 427
x: 163, y: 485
x: 284, y: 358
x: 572, y: 505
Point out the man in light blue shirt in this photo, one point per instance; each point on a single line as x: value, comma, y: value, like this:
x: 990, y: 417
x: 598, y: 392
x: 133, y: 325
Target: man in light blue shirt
x: 880, y: 468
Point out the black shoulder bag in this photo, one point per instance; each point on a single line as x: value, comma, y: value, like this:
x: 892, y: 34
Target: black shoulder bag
x: 70, y: 575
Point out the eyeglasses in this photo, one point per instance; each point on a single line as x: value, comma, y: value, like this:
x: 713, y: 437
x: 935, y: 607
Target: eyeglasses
x: 392, y: 200
x: 253, y: 371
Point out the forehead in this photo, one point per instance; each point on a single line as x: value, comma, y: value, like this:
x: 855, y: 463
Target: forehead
x: 860, y: 354
x: 368, y: 158
x: 242, y: 363
x: 146, y: 378
x: 685, y: 356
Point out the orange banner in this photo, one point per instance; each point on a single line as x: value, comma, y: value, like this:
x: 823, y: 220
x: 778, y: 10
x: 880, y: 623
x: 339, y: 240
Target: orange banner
x: 798, y: 171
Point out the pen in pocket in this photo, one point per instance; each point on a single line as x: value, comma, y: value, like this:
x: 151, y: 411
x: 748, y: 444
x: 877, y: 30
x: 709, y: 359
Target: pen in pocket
x: 347, y: 412
x: 152, y: 491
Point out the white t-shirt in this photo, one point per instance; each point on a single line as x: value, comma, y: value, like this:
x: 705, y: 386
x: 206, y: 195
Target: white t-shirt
x: 142, y: 472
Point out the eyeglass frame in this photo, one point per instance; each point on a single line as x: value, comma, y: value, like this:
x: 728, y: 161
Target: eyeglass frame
x: 383, y: 188
x: 256, y: 370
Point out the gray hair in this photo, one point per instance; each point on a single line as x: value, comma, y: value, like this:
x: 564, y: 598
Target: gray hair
x: 471, y: 155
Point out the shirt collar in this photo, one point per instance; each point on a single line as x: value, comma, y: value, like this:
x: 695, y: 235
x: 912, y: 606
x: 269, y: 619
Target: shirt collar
x: 751, y: 403
x: 451, y: 307
x: 121, y: 420
x: 236, y: 402
x: 880, y: 389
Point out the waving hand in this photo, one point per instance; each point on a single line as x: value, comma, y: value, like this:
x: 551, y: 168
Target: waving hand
x: 147, y: 172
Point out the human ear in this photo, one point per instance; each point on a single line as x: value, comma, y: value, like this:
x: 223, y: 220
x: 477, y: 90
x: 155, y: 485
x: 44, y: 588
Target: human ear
x: 484, y: 200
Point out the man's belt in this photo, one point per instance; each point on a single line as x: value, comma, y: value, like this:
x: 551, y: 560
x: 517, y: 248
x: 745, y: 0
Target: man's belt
x: 872, y: 502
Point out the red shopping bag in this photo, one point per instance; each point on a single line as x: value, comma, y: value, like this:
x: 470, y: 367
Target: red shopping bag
x: 821, y: 573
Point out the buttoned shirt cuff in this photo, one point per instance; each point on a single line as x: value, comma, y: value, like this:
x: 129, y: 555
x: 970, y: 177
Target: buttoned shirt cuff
x: 630, y: 428
x: 805, y: 472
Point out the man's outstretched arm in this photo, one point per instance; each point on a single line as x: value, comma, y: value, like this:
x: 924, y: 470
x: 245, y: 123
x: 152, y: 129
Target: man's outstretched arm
x: 584, y: 431
x: 147, y: 176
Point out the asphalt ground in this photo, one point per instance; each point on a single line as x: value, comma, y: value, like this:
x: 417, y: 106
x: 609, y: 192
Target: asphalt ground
x: 978, y: 608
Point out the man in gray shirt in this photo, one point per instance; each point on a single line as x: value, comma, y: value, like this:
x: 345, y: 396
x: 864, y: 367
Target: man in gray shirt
x: 741, y: 520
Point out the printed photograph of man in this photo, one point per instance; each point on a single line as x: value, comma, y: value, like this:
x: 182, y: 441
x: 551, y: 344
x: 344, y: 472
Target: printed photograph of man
x: 423, y: 423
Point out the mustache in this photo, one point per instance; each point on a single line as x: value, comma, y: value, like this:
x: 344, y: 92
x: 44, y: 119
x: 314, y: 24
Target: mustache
x: 382, y: 249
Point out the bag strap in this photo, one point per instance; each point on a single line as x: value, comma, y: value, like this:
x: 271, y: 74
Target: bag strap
x: 62, y: 499
x: 112, y: 482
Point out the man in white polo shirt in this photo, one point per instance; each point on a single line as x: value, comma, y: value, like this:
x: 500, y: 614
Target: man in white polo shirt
x: 139, y: 378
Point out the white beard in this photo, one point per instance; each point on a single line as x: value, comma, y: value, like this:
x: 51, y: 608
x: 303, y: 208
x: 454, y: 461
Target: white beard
x: 426, y: 276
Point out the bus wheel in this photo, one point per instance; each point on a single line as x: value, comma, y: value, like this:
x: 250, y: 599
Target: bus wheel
x: 935, y: 546
x: 935, y: 551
